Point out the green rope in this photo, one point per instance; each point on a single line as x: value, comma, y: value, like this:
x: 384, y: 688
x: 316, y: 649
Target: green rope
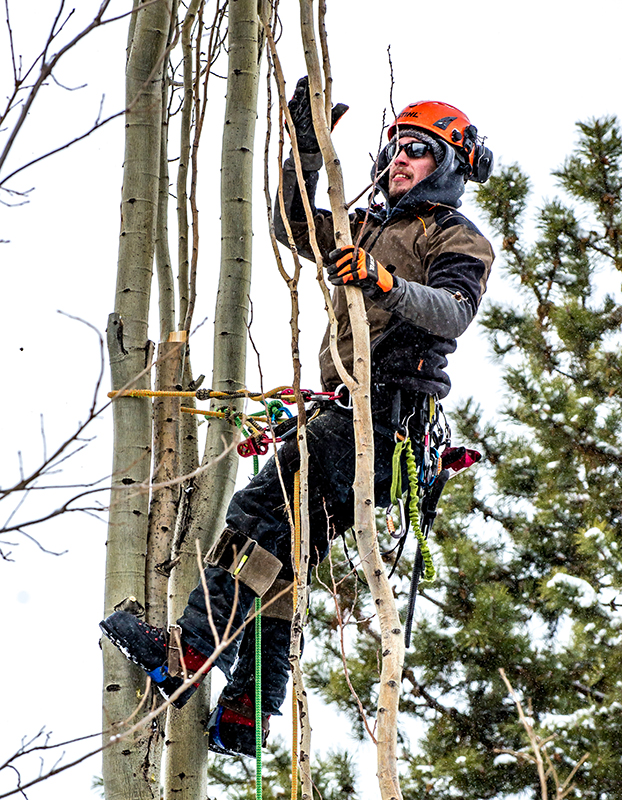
x: 413, y: 512
x: 413, y: 507
x: 274, y: 408
x: 258, y: 728
x: 396, y: 481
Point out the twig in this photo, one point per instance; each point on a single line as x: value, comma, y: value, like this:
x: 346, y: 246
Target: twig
x: 280, y: 81
x: 46, y: 71
x: 300, y: 560
x: 344, y: 660
x: 364, y: 522
x: 538, y: 746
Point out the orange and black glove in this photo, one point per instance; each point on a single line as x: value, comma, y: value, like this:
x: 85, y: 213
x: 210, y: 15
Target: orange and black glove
x: 363, y: 271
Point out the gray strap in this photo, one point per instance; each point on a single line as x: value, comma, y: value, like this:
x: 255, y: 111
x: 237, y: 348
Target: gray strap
x: 436, y: 310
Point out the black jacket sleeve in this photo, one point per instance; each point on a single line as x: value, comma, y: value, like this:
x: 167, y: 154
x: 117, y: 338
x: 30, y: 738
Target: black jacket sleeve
x: 294, y: 208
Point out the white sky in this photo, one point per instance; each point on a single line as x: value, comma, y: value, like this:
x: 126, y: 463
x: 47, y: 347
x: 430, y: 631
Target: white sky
x: 523, y: 73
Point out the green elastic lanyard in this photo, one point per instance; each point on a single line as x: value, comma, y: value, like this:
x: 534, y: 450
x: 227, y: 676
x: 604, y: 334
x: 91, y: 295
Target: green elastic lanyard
x: 396, y: 482
x: 258, y: 728
x: 413, y: 506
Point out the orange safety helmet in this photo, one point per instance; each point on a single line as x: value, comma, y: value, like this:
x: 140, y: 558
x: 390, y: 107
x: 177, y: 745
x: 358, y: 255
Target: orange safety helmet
x: 453, y: 126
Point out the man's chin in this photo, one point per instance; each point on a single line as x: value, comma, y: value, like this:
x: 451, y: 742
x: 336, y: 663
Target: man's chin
x: 398, y: 192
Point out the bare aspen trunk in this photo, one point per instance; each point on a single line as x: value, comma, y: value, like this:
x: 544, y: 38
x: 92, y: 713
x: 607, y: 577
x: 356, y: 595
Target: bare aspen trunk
x: 165, y: 493
x: 364, y: 519
x: 166, y: 284
x: 213, y: 488
x: 184, y: 772
x: 184, y: 775
x: 184, y: 158
x: 205, y: 498
x: 166, y: 410
x: 128, y: 768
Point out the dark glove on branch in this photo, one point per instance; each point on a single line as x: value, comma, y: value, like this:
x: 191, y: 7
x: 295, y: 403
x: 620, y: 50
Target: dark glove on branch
x: 300, y: 109
x: 363, y: 271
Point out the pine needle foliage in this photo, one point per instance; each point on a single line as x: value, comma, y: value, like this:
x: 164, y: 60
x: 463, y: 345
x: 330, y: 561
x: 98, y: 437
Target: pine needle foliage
x: 333, y: 775
x: 527, y: 544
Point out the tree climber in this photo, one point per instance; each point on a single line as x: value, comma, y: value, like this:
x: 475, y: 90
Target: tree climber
x: 423, y: 269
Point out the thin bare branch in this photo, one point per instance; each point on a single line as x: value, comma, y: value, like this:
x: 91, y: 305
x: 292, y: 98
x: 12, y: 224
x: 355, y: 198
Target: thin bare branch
x: 45, y: 72
x: 333, y: 592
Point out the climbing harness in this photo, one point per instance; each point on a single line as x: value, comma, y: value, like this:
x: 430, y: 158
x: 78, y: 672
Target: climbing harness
x: 425, y: 420
x: 437, y: 461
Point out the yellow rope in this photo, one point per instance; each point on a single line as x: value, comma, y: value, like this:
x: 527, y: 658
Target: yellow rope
x: 294, y: 700
x: 220, y: 414
x: 258, y: 396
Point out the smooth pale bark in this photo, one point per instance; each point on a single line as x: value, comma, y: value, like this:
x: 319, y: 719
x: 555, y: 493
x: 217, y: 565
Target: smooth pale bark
x: 184, y: 159
x: 166, y: 283
x: 364, y: 518
x: 166, y: 413
x: 184, y: 775
x: 164, y: 502
x: 213, y: 488
x: 165, y: 493
x: 205, y: 499
x: 128, y: 768
x: 184, y: 772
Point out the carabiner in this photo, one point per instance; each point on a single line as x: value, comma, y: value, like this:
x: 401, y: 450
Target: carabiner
x: 337, y: 395
x: 402, y: 530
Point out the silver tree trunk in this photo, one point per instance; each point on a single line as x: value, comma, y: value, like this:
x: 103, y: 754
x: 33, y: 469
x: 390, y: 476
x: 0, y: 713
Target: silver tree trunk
x: 128, y: 770
x: 202, y: 511
x: 214, y: 487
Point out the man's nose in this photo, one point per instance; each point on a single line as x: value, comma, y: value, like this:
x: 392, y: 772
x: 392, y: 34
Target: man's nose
x: 401, y: 157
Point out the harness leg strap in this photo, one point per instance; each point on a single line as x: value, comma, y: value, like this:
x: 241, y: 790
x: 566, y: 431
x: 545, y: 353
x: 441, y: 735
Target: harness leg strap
x: 245, y: 559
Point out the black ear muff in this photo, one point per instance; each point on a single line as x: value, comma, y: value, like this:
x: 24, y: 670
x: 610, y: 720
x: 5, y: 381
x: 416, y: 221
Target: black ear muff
x: 483, y: 162
x: 469, y: 139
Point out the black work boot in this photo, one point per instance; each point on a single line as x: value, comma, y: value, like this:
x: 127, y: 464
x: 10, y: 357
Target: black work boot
x: 231, y: 727
x: 146, y: 646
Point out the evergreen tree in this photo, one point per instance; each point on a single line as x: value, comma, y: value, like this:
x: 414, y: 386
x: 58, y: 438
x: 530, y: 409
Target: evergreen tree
x: 527, y: 545
x: 333, y: 775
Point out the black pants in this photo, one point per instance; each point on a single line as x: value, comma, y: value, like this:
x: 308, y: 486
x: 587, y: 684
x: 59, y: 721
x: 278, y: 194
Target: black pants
x: 258, y: 511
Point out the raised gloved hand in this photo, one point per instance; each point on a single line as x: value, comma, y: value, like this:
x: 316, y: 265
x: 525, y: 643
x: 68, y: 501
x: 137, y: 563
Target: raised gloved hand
x: 363, y: 271
x: 300, y: 109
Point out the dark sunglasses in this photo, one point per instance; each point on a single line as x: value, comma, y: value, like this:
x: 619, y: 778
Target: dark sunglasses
x: 412, y: 150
